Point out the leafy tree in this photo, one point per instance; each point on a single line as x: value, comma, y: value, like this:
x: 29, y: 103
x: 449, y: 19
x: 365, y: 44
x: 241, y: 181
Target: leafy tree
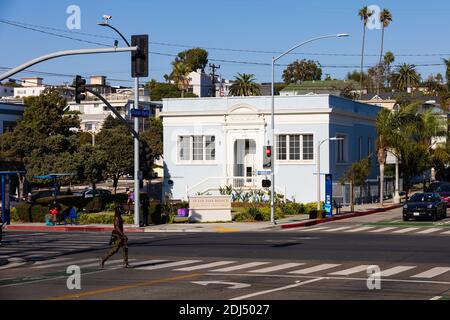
x: 90, y: 164
x: 160, y: 90
x: 114, y: 144
x: 244, y: 85
x: 364, y: 13
x: 180, y: 75
x: 406, y: 77
x: 356, y: 175
x: 43, y: 139
x: 447, y: 71
x: 154, y: 136
x: 302, y: 70
x: 195, y: 58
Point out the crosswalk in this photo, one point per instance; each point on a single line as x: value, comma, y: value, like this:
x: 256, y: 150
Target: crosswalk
x: 373, y: 229
x: 224, y: 267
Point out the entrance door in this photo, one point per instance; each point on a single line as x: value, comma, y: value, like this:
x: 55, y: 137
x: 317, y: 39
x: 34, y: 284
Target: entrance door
x: 244, y: 161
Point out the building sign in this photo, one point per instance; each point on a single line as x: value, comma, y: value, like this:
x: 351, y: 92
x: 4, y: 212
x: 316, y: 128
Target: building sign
x: 210, y: 208
x: 328, y: 205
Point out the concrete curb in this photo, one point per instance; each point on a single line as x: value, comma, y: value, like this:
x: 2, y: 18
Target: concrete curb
x: 71, y: 228
x: 338, y: 217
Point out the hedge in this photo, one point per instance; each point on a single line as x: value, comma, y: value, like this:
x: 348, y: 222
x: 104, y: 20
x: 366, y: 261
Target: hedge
x: 258, y: 214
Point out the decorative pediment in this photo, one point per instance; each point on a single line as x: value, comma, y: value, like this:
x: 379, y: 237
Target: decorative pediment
x: 242, y: 108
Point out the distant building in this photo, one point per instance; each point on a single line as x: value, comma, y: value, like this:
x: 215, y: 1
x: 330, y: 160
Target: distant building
x: 30, y: 87
x: 200, y: 83
x: 9, y: 114
x: 383, y: 99
x: 6, y: 91
x: 333, y: 87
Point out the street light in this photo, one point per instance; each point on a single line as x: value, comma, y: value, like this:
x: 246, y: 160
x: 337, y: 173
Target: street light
x: 318, y: 167
x: 136, y: 126
x: 339, y: 35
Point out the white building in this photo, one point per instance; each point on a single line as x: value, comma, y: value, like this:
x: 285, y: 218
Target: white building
x: 6, y: 91
x: 200, y: 83
x: 31, y: 87
x: 211, y: 143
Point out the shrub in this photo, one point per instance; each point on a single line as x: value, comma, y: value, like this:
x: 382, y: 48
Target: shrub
x: 102, y: 218
x: 243, y: 216
x: 27, y: 212
x: 13, y: 215
x: 154, y: 213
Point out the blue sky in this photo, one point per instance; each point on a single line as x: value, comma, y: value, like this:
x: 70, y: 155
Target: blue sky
x: 418, y: 28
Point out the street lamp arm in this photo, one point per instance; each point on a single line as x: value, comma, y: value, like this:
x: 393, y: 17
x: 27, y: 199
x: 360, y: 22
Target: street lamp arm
x: 308, y: 41
x: 103, y: 24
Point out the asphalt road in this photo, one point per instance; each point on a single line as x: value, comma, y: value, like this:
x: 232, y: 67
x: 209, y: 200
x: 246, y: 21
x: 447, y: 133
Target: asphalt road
x: 299, y: 264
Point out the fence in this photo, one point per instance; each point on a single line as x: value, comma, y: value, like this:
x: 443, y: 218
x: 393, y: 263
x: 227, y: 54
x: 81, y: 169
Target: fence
x: 367, y: 193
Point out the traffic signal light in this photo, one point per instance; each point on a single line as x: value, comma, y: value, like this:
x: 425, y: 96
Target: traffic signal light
x: 139, y: 58
x: 145, y: 157
x: 80, y: 89
x: 267, y: 157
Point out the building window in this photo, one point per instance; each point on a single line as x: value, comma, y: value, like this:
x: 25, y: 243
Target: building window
x: 360, y: 148
x: 281, y: 147
x: 341, y: 150
x: 196, y: 148
x: 301, y: 147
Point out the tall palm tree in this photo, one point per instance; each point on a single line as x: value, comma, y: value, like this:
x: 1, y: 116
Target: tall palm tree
x: 388, y: 59
x: 447, y: 71
x: 180, y: 74
x: 385, y: 19
x: 364, y: 13
x: 406, y: 77
x: 244, y: 85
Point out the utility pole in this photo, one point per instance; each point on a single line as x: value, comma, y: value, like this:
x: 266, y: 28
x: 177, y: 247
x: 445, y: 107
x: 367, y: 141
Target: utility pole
x: 213, y: 67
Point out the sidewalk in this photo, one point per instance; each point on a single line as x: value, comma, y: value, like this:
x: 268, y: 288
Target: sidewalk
x: 285, y: 223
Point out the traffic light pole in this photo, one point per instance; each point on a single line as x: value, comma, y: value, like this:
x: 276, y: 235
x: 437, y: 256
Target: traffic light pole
x: 136, y: 154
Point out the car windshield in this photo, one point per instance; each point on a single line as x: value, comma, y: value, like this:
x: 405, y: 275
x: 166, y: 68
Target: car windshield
x: 421, y: 197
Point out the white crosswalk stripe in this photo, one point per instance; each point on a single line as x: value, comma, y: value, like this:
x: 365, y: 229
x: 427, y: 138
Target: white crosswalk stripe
x: 429, y: 230
x: 383, y: 229
x: 206, y: 266
x: 316, y: 229
x: 395, y: 270
x: 169, y: 265
x: 277, y: 268
x: 405, y: 230
x: 59, y: 264
x: 433, y: 272
x: 96, y: 264
x: 359, y: 229
x: 337, y: 229
x: 317, y: 268
x: 350, y: 271
x: 241, y: 266
x: 143, y: 263
x: 446, y: 232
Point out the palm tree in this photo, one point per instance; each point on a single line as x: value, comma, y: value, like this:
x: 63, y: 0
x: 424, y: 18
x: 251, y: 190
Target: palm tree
x: 180, y: 74
x: 244, y: 85
x: 364, y: 14
x: 388, y: 59
x: 406, y: 77
x: 385, y: 19
x: 447, y: 71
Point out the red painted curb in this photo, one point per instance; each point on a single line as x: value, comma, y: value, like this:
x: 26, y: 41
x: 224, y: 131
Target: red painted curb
x: 339, y: 217
x: 67, y: 229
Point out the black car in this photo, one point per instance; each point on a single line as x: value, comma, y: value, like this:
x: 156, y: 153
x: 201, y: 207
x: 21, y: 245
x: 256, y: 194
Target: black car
x: 425, y: 205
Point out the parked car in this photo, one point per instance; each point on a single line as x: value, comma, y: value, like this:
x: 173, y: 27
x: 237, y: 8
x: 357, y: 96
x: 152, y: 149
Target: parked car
x: 91, y: 193
x: 425, y: 205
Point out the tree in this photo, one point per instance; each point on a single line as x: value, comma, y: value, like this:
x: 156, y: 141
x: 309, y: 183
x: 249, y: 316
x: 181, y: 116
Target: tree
x: 447, y: 71
x: 364, y: 15
x: 180, y: 75
x: 195, y: 58
x: 90, y: 164
x: 114, y: 144
x: 406, y: 77
x: 388, y: 59
x: 154, y: 136
x: 302, y: 70
x: 356, y: 175
x: 159, y: 90
x: 44, y: 139
x: 244, y: 85
x: 385, y: 19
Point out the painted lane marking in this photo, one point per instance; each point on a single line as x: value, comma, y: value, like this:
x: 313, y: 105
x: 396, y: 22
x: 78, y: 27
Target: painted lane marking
x: 436, y: 298
x: 429, y: 230
x: 240, y: 266
x: 316, y: 229
x: 13, y: 262
x: 278, y: 267
x: 169, y: 264
x: 383, y: 229
x: 63, y: 263
x: 395, y: 270
x: 143, y: 263
x: 206, y: 266
x: 317, y: 268
x: 276, y: 289
x: 433, y: 272
x: 405, y: 230
x: 446, y: 232
x: 360, y: 229
x: 349, y: 271
x: 337, y: 229
x: 109, y: 262
x: 231, y: 285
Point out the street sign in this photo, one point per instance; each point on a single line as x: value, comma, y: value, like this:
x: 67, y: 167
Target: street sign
x: 140, y: 113
x: 263, y: 172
